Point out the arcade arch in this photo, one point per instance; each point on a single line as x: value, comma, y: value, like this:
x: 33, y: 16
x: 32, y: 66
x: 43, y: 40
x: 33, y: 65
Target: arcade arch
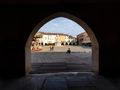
x: 95, y: 45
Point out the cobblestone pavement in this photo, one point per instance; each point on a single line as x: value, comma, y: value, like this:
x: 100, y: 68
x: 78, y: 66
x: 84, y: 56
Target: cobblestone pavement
x: 47, y: 61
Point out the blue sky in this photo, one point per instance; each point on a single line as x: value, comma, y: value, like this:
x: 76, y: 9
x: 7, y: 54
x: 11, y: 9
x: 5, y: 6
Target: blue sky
x: 62, y: 25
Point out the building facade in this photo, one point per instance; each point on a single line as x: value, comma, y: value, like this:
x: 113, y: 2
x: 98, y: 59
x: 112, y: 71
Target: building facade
x: 57, y: 39
x: 83, y: 39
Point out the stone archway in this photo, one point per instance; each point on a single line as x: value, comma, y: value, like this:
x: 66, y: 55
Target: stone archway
x: 95, y: 45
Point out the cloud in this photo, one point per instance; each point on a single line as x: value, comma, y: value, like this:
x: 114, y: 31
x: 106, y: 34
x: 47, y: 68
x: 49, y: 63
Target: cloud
x: 62, y: 25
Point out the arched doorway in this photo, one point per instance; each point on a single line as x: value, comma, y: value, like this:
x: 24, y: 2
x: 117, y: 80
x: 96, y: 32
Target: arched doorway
x: 95, y: 46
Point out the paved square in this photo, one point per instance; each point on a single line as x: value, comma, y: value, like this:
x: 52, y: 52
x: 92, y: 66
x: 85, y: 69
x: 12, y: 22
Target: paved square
x: 46, y: 61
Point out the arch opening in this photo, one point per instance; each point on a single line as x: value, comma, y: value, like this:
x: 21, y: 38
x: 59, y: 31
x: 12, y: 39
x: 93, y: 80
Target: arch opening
x: 94, y: 42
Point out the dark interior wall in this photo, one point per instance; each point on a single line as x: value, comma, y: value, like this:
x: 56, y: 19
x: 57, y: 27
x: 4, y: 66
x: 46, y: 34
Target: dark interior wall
x: 18, y: 21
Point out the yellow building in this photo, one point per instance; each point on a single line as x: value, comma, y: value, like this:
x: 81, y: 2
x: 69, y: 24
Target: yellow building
x: 45, y: 38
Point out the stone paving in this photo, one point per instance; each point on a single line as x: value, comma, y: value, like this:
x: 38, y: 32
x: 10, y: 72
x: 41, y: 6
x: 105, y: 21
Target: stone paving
x: 61, y: 57
x: 65, y: 48
x: 58, y: 81
x: 58, y: 61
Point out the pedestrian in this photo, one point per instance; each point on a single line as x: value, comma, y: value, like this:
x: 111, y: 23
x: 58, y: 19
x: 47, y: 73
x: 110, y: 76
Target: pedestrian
x: 50, y: 47
x: 68, y: 51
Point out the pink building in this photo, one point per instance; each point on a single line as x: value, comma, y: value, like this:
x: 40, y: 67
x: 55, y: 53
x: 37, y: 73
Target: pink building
x: 83, y: 39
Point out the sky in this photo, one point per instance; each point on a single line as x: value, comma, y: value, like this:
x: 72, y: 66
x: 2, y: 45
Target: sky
x: 62, y: 25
